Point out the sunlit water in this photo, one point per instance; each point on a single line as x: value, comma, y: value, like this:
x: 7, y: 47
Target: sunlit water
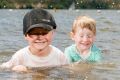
x: 108, y: 39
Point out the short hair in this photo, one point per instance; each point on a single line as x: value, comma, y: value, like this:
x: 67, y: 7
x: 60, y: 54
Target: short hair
x: 84, y: 22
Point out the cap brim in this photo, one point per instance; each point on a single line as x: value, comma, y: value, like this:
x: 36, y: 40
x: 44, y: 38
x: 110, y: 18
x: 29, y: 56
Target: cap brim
x: 44, y: 26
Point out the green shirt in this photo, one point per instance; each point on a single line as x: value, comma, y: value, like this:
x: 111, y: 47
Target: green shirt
x: 73, y: 55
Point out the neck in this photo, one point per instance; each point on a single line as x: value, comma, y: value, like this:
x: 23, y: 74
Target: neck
x: 41, y: 52
x: 83, y: 51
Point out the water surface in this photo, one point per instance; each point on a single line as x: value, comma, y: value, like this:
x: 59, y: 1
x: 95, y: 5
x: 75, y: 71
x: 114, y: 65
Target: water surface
x: 108, y: 39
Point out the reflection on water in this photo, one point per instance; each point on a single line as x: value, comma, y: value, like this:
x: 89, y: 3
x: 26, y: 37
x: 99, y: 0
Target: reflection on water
x: 107, y: 39
x: 81, y: 71
x: 75, y: 71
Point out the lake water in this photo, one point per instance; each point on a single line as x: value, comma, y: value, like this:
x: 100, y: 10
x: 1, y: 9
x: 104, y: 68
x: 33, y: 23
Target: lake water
x: 108, y: 39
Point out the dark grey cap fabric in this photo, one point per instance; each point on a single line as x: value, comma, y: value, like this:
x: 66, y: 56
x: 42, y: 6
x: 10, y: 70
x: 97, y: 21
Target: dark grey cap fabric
x: 38, y: 18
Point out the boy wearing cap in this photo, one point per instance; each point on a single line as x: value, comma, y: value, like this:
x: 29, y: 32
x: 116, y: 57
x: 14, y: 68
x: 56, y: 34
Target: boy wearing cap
x: 38, y: 28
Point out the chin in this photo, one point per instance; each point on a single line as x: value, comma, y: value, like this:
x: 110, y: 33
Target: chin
x: 85, y: 47
x: 39, y: 48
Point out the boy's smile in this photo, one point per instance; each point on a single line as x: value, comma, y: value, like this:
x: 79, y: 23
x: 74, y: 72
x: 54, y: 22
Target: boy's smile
x: 39, y: 39
x: 83, y: 38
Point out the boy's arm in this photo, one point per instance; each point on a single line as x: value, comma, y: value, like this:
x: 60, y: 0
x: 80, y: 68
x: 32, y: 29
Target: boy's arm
x: 97, y: 53
x: 67, y: 54
x: 15, y: 60
x: 99, y: 56
x: 63, y: 59
x: 15, y: 64
x: 6, y: 64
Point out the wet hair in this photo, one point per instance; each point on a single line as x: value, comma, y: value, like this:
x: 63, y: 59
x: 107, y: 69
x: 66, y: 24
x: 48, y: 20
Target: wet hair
x: 84, y: 22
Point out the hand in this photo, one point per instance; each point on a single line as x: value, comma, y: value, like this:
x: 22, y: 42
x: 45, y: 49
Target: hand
x: 19, y: 68
x: 5, y: 65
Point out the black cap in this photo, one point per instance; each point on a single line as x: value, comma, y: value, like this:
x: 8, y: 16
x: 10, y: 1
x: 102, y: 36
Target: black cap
x: 38, y: 18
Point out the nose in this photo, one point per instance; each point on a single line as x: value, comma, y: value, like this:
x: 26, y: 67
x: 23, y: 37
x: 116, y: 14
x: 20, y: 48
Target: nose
x: 85, y: 38
x: 40, y: 36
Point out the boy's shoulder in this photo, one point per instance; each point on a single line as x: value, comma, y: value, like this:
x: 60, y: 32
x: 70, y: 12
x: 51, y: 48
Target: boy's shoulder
x: 20, y: 53
x: 70, y: 49
x: 22, y: 50
x: 95, y: 51
x: 95, y: 48
x: 55, y: 49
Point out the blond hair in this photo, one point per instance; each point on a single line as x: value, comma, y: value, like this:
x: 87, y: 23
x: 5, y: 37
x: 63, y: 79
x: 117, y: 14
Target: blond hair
x: 84, y: 22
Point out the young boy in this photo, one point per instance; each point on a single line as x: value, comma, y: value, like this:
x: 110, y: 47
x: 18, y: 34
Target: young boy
x: 38, y: 28
x: 83, y: 34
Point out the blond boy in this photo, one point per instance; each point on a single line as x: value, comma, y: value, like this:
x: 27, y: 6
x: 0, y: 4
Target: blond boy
x: 83, y: 34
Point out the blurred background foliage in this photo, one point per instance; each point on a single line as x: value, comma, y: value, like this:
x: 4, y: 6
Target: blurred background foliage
x: 60, y: 4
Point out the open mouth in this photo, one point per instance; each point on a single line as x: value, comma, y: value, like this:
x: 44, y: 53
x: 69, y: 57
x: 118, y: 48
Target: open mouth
x: 85, y: 44
x: 39, y: 42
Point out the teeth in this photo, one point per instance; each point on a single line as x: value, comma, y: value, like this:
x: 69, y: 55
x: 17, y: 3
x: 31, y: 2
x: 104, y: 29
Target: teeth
x: 39, y: 42
x: 85, y: 44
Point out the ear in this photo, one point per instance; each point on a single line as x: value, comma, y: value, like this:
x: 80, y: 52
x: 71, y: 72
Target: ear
x: 72, y: 35
x: 25, y: 36
x: 53, y: 32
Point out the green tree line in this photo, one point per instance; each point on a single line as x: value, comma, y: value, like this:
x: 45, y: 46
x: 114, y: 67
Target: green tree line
x: 59, y: 4
x: 97, y: 4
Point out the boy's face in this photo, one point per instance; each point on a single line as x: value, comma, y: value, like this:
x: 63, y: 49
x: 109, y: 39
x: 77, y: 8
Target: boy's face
x: 39, y: 39
x: 83, y: 38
